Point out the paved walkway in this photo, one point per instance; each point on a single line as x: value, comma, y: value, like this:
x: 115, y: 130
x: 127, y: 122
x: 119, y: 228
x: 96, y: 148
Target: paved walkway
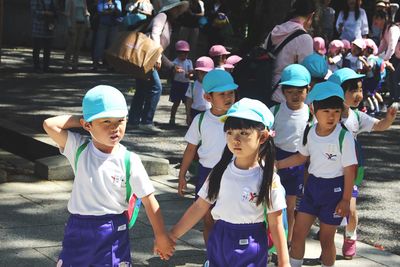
x: 33, y: 211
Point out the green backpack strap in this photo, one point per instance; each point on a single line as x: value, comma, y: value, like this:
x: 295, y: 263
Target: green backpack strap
x: 78, y: 153
x: 276, y: 109
x: 341, y: 138
x: 200, y: 122
x: 358, y: 116
x: 133, y: 201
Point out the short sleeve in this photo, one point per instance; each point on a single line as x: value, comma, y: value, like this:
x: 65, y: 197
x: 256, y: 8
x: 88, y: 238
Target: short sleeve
x: 74, y: 140
x: 193, y: 135
x: 203, y: 193
x: 277, y: 197
x: 349, y: 156
x: 190, y: 65
x: 303, y: 150
x: 139, y: 180
x: 366, y: 122
x: 360, y: 65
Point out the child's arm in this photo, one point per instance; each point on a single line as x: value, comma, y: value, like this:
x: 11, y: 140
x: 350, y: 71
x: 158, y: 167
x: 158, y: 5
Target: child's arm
x: 294, y: 160
x: 386, y: 122
x: 188, y: 105
x: 56, y: 127
x: 188, y: 156
x: 278, y: 236
x: 195, y: 212
x: 162, y: 244
x: 343, y: 207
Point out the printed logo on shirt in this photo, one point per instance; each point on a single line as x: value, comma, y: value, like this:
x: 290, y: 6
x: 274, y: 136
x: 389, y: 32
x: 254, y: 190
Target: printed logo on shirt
x: 118, y: 180
x: 330, y: 156
x: 249, y: 196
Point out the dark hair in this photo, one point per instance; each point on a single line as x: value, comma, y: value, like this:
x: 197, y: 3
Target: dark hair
x: 383, y: 14
x: 266, y: 160
x: 346, y: 11
x: 350, y: 84
x: 332, y: 102
x: 302, y: 8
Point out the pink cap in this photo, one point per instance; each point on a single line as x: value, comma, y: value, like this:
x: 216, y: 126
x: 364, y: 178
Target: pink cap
x: 335, y: 46
x: 232, y: 60
x: 227, y: 66
x: 204, y: 64
x: 369, y: 43
x: 359, y: 43
x: 218, y: 50
x: 346, y: 44
x: 182, y: 46
x: 319, y: 45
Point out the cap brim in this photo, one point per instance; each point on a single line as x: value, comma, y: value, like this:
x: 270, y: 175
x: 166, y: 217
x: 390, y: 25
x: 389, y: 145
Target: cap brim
x: 227, y: 87
x: 108, y: 114
x: 204, y: 69
x: 296, y: 83
x: 228, y: 66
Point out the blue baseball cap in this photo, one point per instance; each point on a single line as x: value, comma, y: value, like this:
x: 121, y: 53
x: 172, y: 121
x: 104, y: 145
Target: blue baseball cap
x: 218, y: 81
x: 250, y: 109
x: 295, y: 75
x: 323, y: 91
x: 316, y: 65
x: 103, y: 101
x: 344, y: 74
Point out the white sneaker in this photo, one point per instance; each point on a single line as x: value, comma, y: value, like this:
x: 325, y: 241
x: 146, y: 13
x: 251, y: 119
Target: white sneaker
x: 150, y: 128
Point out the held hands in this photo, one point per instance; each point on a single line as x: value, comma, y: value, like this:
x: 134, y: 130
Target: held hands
x: 343, y: 208
x: 164, y: 246
x: 182, y: 185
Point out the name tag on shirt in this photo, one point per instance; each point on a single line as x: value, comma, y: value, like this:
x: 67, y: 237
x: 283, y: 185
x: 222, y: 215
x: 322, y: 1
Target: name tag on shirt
x: 243, y: 242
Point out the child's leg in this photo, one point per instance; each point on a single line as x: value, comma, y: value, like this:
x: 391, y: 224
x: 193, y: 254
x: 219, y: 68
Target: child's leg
x: 370, y: 104
x: 350, y: 235
x: 208, y: 225
x: 174, y: 108
x: 291, y: 205
x: 379, y: 97
x: 376, y: 104
x: 327, y: 240
x: 301, y: 229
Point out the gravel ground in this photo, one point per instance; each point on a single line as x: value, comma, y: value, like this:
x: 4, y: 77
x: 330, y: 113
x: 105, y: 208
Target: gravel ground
x: 28, y: 98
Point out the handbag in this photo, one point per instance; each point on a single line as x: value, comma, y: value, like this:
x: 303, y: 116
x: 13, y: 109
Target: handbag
x: 133, y: 53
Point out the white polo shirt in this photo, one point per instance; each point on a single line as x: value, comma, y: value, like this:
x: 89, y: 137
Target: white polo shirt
x: 236, y: 201
x: 212, y: 137
x: 326, y: 161
x: 289, y: 126
x: 100, y: 182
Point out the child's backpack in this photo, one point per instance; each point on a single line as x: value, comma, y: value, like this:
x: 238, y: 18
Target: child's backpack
x: 254, y: 72
x: 133, y: 201
x: 359, y: 155
x: 379, y: 69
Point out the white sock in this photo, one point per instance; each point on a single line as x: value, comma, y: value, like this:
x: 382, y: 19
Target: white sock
x: 376, y: 104
x: 295, y: 263
x: 351, y: 234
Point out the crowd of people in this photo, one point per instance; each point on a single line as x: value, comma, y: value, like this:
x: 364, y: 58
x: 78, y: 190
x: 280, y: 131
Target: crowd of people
x: 254, y: 163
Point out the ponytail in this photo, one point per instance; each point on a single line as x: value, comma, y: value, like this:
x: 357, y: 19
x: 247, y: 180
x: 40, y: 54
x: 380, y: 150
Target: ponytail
x: 267, y: 162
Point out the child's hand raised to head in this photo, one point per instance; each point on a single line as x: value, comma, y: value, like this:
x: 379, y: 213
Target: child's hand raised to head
x: 343, y: 208
x: 164, y: 246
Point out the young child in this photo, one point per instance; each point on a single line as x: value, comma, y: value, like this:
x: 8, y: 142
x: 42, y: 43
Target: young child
x: 356, y: 122
x: 241, y: 189
x: 335, y: 57
x: 219, y: 54
x: 98, y: 198
x: 346, y: 47
x: 353, y: 58
x: 291, y: 118
x: 317, y: 67
x: 319, y: 46
x: 206, y: 136
x: 181, y: 81
x: 332, y: 168
x: 195, y: 101
x: 231, y: 62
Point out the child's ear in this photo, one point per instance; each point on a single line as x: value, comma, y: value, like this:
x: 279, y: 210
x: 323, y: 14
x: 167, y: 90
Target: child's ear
x: 264, y: 136
x: 208, y: 97
x: 85, y: 125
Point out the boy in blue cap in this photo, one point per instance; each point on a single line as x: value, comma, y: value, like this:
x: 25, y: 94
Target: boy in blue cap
x: 356, y: 122
x: 98, y: 199
x: 318, y: 68
x: 291, y: 118
x: 206, y: 135
x: 333, y: 161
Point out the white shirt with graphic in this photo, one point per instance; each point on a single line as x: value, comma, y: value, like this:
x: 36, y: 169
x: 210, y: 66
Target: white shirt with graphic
x: 358, y: 124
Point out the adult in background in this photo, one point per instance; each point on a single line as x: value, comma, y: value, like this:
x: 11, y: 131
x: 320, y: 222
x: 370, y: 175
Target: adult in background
x: 390, y: 46
x: 77, y: 15
x: 148, y: 91
x: 352, y: 22
x: 109, y: 12
x: 43, y: 24
x: 217, y: 14
x: 300, y: 18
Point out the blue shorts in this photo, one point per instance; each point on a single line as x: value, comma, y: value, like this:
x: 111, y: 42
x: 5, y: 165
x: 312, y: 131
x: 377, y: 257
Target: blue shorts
x: 321, y: 197
x: 237, y: 245
x: 292, y: 178
x: 178, y: 91
x: 96, y: 241
x: 201, y: 178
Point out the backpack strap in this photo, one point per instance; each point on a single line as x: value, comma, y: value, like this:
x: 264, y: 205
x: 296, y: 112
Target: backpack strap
x: 200, y: 122
x: 305, y: 134
x: 133, y: 201
x: 287, y: 40
x: 358, y: 116
x: 79, y: 152
x: 127, y: 162
x: 341, y: 138
x: 276, y: 109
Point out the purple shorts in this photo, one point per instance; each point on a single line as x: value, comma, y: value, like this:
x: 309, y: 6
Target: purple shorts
x: 178, y: 91
x: 321, y: 197
x: 201, y: 178
x: 371, y: 86
x: 96, y: 241
x: 292, y: 178
x: 237, y: 245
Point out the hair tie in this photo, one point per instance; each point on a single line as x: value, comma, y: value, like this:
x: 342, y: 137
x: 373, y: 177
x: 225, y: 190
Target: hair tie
x: 271, y: 133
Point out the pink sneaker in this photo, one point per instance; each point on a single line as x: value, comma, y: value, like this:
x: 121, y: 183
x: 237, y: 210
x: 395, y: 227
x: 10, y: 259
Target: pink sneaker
x: 349, y: 248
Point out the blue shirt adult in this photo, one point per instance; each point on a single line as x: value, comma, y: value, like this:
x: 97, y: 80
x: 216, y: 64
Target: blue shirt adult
x: 109, y: 12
